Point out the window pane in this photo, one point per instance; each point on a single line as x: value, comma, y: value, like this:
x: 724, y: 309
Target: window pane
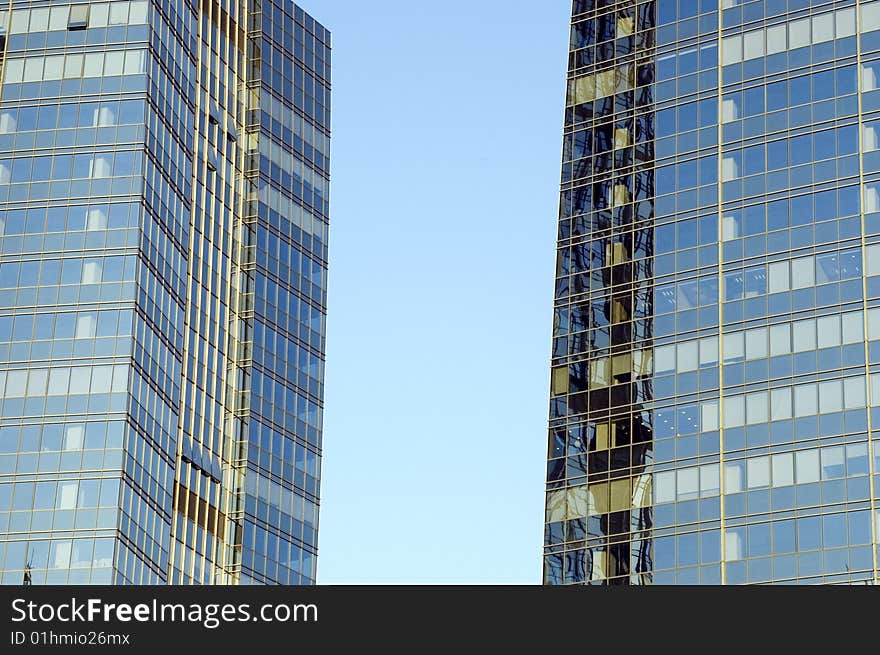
x: 854, y: 391
x: 807, y: 466
x: 756, y: 408
x: 799, y: 33
x: 783, y: 470
x: 780, y: 404
x: 805, y: 400
x: 830, y: 396
x: 687, y: 356
x: 734, y: 411
x: 804, y: 335
x: 756, y: 343
x: 829, y: 331
x: 803, y: 272
x: 780, y: 339
x: 758, y: 472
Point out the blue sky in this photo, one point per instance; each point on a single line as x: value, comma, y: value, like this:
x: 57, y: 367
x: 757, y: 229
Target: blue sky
x: 447, y: 120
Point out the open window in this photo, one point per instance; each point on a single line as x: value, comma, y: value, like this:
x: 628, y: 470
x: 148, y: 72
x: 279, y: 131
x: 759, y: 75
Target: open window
x: 79, y: 17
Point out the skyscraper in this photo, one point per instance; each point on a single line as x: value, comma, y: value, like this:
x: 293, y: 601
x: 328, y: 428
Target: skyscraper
x: 164, y: 178
x: 715, y: 381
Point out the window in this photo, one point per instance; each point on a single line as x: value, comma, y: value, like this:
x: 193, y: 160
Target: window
x: 756, y: 343
x: 854, y: 393
x: 807, y: 466
x: 67, y: 493
x: 687, y: 356
x: 783, y: 470
x: 708, y: 351
x: 710, y: 480
x: 731, y: 49
x: 780, y: 340
x: 871, y: 17
x: 777, y: 39
x: 753, y: 44
x: 79, y: 17
x: 734, y: 346
x: 828, y: 328
x: 830, y: 396
x: 709, y: 416
x: 823, y: 27
x: 803, y: 272
x: 688, y: 483
x: 756, y: 408
x: 734, y: 411
x: 799, y: 33
x: 805, y: 400
x: 734, y: 475
x: 758, y: 472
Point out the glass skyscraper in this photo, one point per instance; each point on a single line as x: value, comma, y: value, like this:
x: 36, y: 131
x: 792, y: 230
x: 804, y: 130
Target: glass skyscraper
x: 164, y: 174
x: 715, y: 383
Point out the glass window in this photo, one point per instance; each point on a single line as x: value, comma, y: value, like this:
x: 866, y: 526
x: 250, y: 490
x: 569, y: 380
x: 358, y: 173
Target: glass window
x: 783, y: 470
x: 734, y: 477
x: 664, y: 359
x: 67, y: 493
x: 709, y: 480
x: 823, y: 27
x: 664, y: 487
x: 872, y: 265
x: 688, y: 483
x: 753, y: 44
x: 756, y: 408
x: 780, y: 339
x: 708, y: 351
x: 805, y: 400
x: 803, y: 272
x: 853, y: 327
x: 709, y: 411
x: 830, y: 396
x: 799, y: 33
x: 829, y: 331
x: 59, y: 380
x: 832, y: 462
x: 756, y: 343
x: 758, y: 472
x: 854, y: 391
x: 777, y: 39
x: 845, y: 23
x: 58, y: 18
x: 102, y: 378
x: 734, y: 346
x: 731, y: 50
x: 871, y: 17
x: 687, y: 356
x: 734, y: 411
x: 734, y: 544
x: 780, y: 279
x: 804, y: 335
x: 807, y: 466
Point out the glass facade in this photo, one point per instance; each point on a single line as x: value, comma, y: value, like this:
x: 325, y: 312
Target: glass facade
x: 164, y: 185
x: 715, y: 382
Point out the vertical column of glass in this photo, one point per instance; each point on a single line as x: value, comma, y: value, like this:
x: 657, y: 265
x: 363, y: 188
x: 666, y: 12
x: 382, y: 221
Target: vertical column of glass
x: 599, y: 515
x: 71, y: 177
x: 157, y: 400
x: 284, y: 426
x: 797, y: 499
x: 209, y: 376
x: 687, y: 454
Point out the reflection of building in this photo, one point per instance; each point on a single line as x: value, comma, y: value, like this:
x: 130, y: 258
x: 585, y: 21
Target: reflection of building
x: 599, y: 488
x: 716, y: 351
x: 163, y: 229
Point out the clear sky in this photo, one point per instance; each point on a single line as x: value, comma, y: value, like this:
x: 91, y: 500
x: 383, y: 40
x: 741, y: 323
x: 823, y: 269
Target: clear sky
x: 447, y: 132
